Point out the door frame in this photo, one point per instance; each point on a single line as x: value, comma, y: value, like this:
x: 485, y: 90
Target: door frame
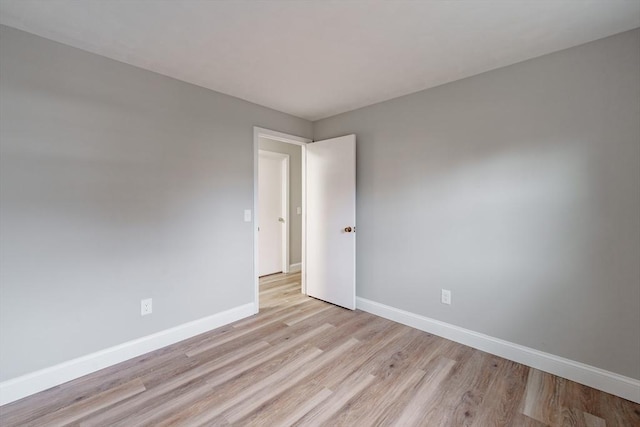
x: 284, y: 205
x: 259, y: 132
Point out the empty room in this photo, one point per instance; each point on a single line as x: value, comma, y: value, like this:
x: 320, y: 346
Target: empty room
x: 320, y: 213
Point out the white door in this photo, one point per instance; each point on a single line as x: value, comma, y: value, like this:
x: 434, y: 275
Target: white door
x: 270, y: 201
x: 331, y: 220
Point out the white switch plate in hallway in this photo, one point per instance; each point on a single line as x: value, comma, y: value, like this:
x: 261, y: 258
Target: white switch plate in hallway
x: 247, y: 215
x: 146, y: 306
x: 298, y: 210
x: 446, y: 297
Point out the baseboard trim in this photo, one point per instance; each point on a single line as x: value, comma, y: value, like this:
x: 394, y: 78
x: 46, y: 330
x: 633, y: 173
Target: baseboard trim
x: 26, y: 385
x: 610, y: 382
x: 295, y: 267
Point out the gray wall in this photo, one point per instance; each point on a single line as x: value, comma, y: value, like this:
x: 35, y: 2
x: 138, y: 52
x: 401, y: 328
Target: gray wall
x: 518, y: 190
x: 116, y: 184
x: 295, y: 193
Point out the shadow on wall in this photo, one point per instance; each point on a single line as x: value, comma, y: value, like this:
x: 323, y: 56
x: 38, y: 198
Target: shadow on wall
x: 520, y: 231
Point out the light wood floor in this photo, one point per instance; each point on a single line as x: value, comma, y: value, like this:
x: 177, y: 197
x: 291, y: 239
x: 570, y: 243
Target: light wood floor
x: 306, y: 363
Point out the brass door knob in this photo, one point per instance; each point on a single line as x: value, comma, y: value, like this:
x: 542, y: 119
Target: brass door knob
x: 348, y: 229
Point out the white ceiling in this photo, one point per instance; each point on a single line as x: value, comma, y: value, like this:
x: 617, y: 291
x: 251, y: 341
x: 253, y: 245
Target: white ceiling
x: 314, y: 59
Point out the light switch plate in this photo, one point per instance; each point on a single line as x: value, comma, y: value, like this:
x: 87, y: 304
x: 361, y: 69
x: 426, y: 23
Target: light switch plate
x: 247, y: 215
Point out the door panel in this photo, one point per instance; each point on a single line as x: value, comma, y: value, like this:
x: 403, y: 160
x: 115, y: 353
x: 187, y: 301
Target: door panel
x: 331, y: 210
x: 270, y: 208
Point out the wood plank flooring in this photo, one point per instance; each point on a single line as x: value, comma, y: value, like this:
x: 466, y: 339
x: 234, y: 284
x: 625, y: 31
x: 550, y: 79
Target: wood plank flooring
x: 303, y: 362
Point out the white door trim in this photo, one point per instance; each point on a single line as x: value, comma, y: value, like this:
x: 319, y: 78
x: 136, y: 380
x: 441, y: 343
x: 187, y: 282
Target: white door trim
x: 284, y: 208
x: 289, y: 139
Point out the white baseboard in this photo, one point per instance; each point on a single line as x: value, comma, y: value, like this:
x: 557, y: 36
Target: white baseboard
x: 295, y: 267
x: 28, y: 384
x: 610, y: 382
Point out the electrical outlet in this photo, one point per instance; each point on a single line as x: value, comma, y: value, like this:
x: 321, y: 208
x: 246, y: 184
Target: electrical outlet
x: 446, y: 297
x: 146, y: 306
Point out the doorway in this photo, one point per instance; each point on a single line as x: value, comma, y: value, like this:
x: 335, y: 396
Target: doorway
x: 280, y: 246
x: 327, y: 209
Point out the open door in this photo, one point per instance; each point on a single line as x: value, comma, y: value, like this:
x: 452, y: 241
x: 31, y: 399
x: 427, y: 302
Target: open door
x: 331, y: 220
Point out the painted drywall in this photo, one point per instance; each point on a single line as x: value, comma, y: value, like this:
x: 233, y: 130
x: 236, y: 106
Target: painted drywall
x: 116, y: 184
x: 295, y: 192
x: 518, y: 190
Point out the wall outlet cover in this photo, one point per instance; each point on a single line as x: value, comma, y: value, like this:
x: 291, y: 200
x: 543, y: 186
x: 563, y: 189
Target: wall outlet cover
x: 446, y: 297
x: 146, y: 306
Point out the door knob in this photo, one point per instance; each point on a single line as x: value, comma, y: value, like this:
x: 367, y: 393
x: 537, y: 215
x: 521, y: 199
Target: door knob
x: 348, y: 229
